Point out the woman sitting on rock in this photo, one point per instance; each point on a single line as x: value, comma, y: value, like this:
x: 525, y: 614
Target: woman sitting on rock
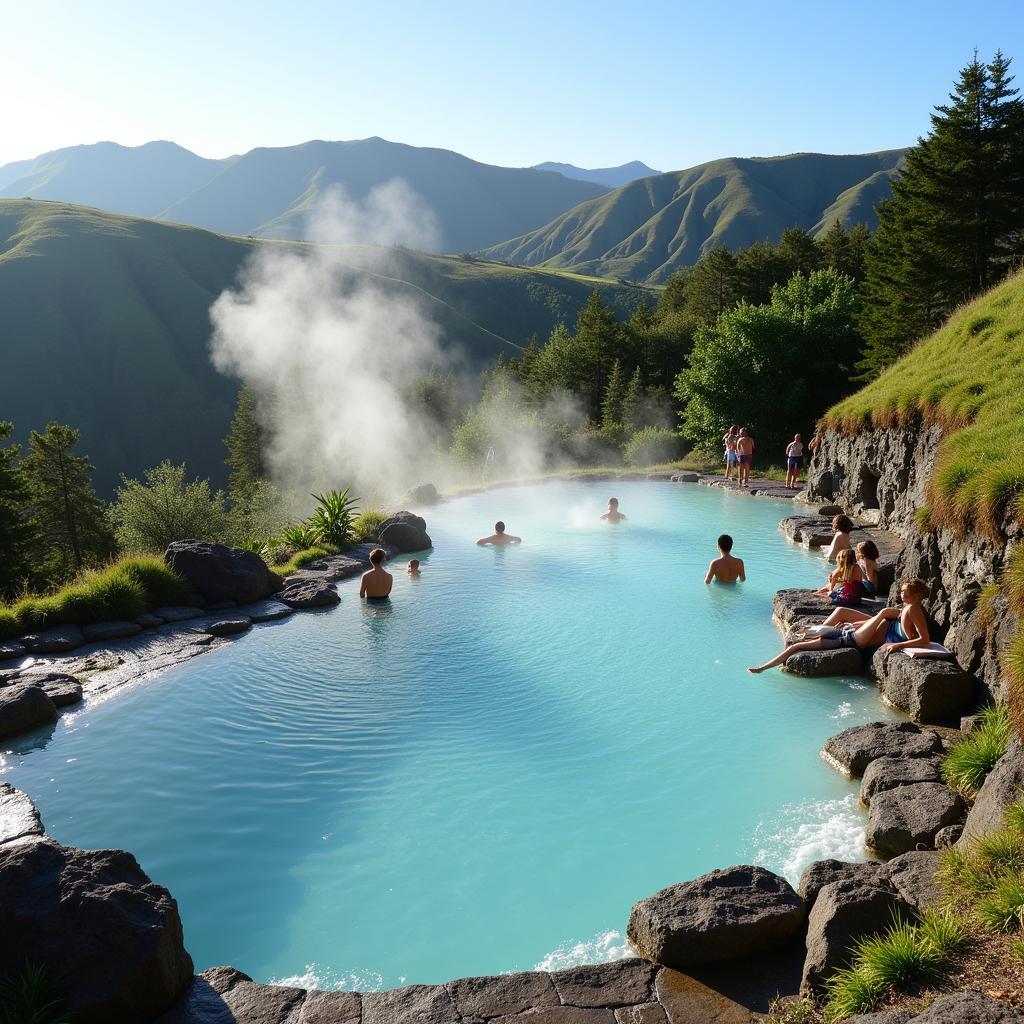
x: 845, y: 583
x: 892, y: 628
x: 842, y: 526
x: 867, y: 559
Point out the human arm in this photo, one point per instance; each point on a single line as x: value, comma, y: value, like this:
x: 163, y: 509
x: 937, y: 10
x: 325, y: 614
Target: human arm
x: 711, y: 573
x: 362, y: 585
x: 833, y: 548
x: 743, y: 571
x: 484, y: 540
x: 514, y: 540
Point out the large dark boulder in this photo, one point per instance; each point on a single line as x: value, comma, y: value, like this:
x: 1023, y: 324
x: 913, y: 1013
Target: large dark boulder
x: 425, y: 494
x: 908, y: 817
x: 969, y: 1006
x: 854, y: 749
x: 309, y: 593
x: 927, y: 689
x: 23, y: 708
x: 19, y: 818
x: 840, y: 661
x: 912, y: 875
x: 844, y: 912
x: 218, y: 573
x: 55, y: 640
x: 891, y: 772
x: 92, y: 917
x: 1003, y: 786
x: 406, y: 532
x: 824, y: 872
x: 723, y: 915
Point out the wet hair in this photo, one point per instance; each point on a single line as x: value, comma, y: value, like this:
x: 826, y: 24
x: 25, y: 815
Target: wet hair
x: 725, y: 543
x: 868, y: 549
x: 842, y: 524
x: 414, y: 563
x: 499, y: 527
x: 915, y: 586
x: 613, y: 501
x: 377, y: 555
x: 845, y: 562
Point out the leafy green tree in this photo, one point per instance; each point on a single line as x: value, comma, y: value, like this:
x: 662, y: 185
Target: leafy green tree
x: 955, y: 221
x: 149, y: 515
x: 614, y: 395
x: 246, y: 445
x: 776, y: 367
x: 64, y: 511
x: 556, y: 367
x: 712, y: 286
x: 16, y: 537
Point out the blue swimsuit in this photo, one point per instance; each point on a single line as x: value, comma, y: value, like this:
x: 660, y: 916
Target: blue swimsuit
x: 895, y: 634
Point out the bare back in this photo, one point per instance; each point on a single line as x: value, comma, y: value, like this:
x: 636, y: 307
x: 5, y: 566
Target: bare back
x: 376, y: 583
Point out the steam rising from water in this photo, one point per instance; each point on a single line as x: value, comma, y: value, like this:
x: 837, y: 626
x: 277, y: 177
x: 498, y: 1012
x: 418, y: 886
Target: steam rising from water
x: 329, y: 347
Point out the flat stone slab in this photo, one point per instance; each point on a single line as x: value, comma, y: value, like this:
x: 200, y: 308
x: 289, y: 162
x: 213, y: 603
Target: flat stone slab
x: 824, y: 872
x: 495, y: 996
x: 852, y: 750
x: 177, y: 613
x: 19, y: 818
x: 889, y: 772
x: 842, y: 661
x: 723, y: 915
x: 309, y: 593
x: 802, y: 607
x: 63, y: 690
x: 620, y: 983
x: 908, y: 818
x: 147, y: 620
x: 11, y: 649
x: 809, y: 531
x: 930, y: 690
x: 685, y: 478
x: 266, y: 611
x: 414, y: 1004
x: 912, y: 875
x: 54, y: 641
x: 229, y: 625
x: 116, y: 630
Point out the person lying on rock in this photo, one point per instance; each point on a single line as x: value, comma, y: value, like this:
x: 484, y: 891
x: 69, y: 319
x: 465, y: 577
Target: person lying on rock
x: 500, y: 537
x: 842, y: 526
x: 867, y: 559
x: 846, y: 582
x: 376, y: 584
x: 613, y: 515
x: 892, y: 629
x: 726, y: 568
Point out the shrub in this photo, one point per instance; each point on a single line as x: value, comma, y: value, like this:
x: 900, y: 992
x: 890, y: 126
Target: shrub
x: 160, y: 585
x: 301, y: 558
x: 366, y: 525
x: 899, y: 956
x: 943, y: 932
x: 1002, y: 908
x: 652, y: 446
x: 988, y: 600
x: 32, y: 996
x: 299, y: 536
x: 792, y: 1011
x: 973, y: 757
x: 852, y: 992
x: 333, y: 517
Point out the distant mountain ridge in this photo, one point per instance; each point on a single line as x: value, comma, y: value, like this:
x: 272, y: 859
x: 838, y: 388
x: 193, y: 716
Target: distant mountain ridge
x: 613, y: 177
x: 649, y: 228
x: 270, y: 192
x: 106, y: 326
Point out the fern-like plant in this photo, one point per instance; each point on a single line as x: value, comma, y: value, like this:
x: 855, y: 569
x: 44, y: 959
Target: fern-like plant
x: 333, y: 517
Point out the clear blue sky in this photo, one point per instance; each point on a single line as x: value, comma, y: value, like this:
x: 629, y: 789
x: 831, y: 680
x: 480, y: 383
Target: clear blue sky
x: 589, y: 82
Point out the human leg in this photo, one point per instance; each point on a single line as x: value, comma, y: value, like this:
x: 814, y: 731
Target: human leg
x: 841, y: 615
x: 817, y: 644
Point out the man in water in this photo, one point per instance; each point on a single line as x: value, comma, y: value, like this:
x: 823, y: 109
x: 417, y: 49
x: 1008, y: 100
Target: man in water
x: 745, y: 454
x: 726, y: 568
x: 376, y: 584
x: 613, y: 515
x: 499, y: 537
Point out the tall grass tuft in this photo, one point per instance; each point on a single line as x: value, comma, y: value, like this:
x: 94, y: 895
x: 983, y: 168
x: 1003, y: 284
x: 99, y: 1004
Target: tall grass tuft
x: 1002, y: 907
x: 31, y: 996
x: 367, y: 525
x: 852, y: 992
x: 971, y: 758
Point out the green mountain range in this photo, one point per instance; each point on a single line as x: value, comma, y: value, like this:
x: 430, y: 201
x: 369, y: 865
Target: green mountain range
x: 106, y: 326
x: 613, y: 177
x: 271, y: 192
x: 646, y: 230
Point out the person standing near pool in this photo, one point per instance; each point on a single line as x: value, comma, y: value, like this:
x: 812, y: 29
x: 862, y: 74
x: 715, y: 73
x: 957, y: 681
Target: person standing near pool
x: 726, y: 568
x: 376, y: 584
x: 745, y: 454
x: 794, y: 460
x: 613, y: 515
x: 731, y: 459
x: 500, y: 537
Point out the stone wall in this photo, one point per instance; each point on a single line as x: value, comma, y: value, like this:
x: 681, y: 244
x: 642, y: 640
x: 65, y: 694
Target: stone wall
x: 882, y: 475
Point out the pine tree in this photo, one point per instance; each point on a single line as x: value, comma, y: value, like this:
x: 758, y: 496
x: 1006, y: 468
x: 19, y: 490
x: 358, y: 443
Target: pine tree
x: 15, y: 533
x: 598, y: 339
x: 955, y: 220
x: 759, y: 268
x: 843, y: 249
x: 632, y: 402
x: 246, y: 447
x: 67, y: 516
x: 712, y: 286
x: 614, y: 395
x: 798, y: 252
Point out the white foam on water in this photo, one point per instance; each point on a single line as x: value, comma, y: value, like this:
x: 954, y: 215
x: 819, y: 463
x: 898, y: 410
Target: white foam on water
x: 809, y: 831
x: 317, y: 977
x: 844, y: 709
x: 603, y: 948
x: 857, y: 686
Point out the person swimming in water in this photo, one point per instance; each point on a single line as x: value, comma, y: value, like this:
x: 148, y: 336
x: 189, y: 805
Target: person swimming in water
x: 613, y: 515
x: 726, y: 568
x: 377, y: 582
x: 413, y: 569
x: 500, y: 537
x: 892, y: 629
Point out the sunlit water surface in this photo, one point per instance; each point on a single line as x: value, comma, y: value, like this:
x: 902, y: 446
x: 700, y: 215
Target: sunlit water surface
x: 485, y: 775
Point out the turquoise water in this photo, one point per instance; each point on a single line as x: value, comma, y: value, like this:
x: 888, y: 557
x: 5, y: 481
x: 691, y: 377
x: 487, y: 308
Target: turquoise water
x: 487, y: 774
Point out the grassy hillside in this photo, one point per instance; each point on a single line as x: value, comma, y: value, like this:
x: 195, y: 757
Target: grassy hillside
x: 270, y: 192
x: 966, y: 376
x: 106, y: 325
x: 649, y: 228
x: 140, y: 180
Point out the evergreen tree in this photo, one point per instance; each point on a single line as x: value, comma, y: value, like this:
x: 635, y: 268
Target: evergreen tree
x: 759, y: 269
x: 673, y: 297
x: 67, y: 516
x: 632, y: 402
x: 843, y: 249
x: 798, y: 252
x: 955, y: 220
x: 598, y: 339
x: 246, y: 446
x: 614, y: 396
x: 712, y: 286
x: 15, y: 533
